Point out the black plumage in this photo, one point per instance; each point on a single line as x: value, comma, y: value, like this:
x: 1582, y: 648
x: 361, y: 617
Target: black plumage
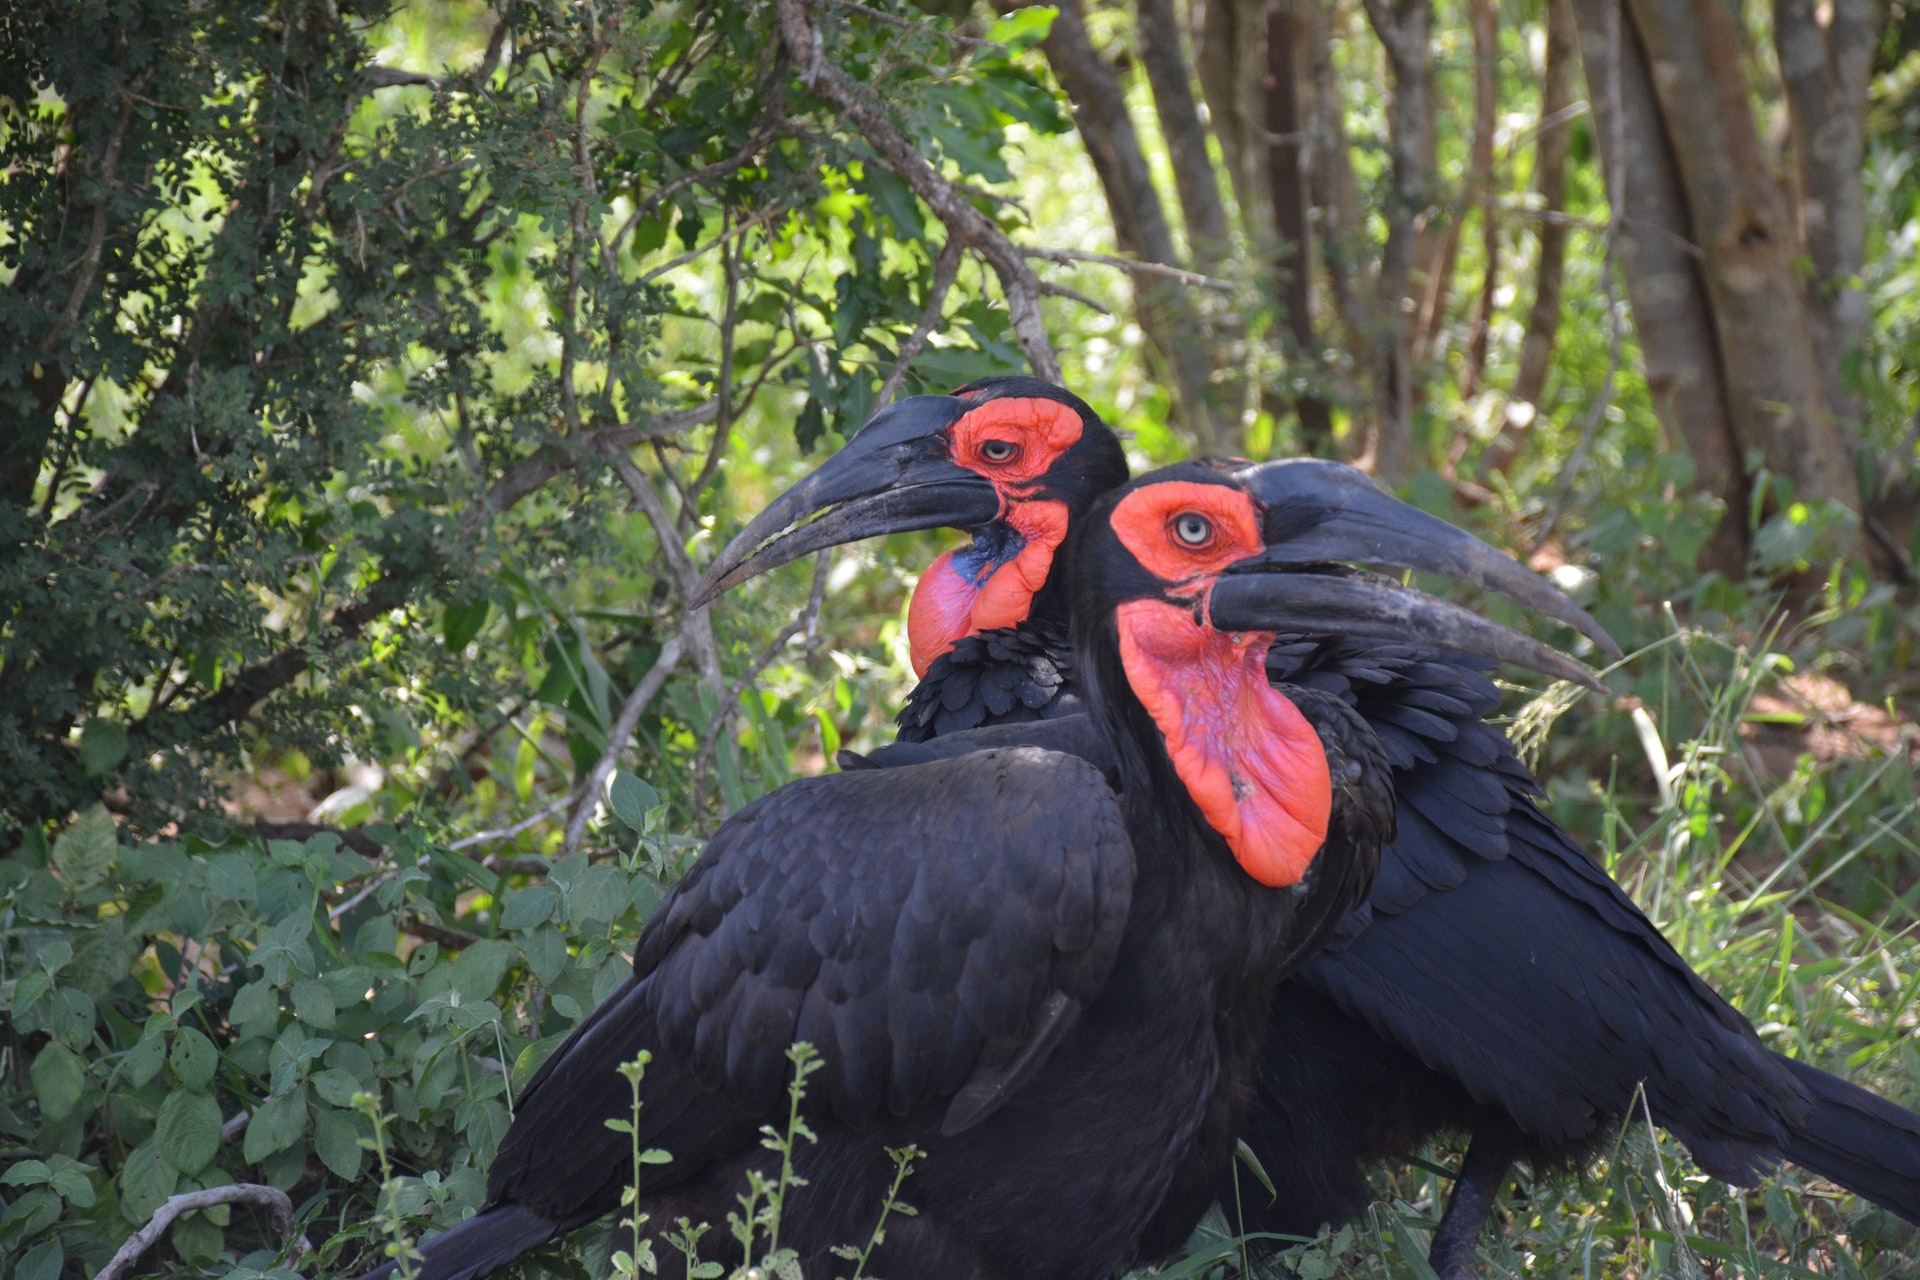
x: 1496, y: 982
x: 1036, y: 964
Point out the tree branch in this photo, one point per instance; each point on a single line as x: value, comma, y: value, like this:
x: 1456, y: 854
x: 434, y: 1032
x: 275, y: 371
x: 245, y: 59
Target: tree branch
x: 272, y: 1199
x: 968, y: 224
x: 946, y: 269
x: 586, y: 796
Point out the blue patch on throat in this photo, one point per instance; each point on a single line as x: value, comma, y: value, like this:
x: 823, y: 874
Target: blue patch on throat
x: 991, y: 547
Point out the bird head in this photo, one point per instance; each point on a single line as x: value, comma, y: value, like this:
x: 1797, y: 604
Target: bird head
x: 1185, y: 577
x: 1011, y: 461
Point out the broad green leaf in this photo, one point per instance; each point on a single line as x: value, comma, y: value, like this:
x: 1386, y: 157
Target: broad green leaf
x: 59, y: 1080
x: 71, y: 1181
x: 336, y: 1140
x: 253, y: 1003
x: 546, y: 950
x: 336, y: 1086
x: 85, y: 851
x: 631, y: 799
x: 194, y: 1059
x: 461, y: 623
x: 103, y: 744
x: 24, y: 1173
x: 598, y: 893
x: 529, y: 907
x: 187, y: 1130
x: 143, y: 1061
x: 1024, y: 28
x: 277, y: 1125
x: 313, y: 1004
x: 42, y: 1262
x: 146, y: 1179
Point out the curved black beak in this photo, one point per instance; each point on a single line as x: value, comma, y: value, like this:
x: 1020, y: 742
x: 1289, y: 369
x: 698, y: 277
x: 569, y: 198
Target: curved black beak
x: 1337, y: 600
x: 1320, y: 511
x: 894, y: 476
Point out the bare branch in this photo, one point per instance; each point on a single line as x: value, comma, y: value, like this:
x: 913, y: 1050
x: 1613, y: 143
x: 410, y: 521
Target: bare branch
x: 806, y: 625
x: 946, y: 269
x: 739, y: 229
x: 563, y: 455
x: 89, y: 263
x: 968, y: 224
x: 908, y: 24
x: 507, y: 833
x: 586, y: 796
x: 272, y: 1199
x: 1178, y: 275
x: 694, y: 625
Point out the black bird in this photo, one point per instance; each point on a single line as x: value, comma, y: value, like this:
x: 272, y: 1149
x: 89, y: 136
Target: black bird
x: 1496, y: 982
x: 1047, y: 969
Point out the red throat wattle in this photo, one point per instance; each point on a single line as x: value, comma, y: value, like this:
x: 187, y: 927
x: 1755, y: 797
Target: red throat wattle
x: 948, y: 605
x: 1250, y: 760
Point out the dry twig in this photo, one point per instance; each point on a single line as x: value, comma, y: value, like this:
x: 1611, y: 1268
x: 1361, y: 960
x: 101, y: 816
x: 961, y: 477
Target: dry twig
x: 272, y: 1199
x: 949, y: 203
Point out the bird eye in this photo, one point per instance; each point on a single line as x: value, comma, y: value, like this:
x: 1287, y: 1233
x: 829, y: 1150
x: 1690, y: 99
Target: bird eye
x: 998, y: 450
x: 1193, y: 529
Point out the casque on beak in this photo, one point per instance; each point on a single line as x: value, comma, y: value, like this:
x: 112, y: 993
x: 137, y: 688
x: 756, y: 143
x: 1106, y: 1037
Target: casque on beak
x: 894, y: 476
x: 1318, y: 514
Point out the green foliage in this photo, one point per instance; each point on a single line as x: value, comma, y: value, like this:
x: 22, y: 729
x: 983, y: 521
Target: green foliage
x: 341, y: 349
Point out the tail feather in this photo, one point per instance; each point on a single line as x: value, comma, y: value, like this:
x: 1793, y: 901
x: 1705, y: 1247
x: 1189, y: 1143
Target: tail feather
x: 489, y: 1239
x: 1859, y: 1140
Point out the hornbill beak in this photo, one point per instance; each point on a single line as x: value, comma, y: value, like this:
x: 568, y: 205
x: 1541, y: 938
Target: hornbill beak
x: 1318, y: 514
x: 894, y: 476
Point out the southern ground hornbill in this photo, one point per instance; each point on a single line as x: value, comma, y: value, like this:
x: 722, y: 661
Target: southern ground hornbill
x: 1496, y: 983
x: 1047, y: 969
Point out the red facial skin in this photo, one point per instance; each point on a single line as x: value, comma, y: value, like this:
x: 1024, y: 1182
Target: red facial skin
x: 947, y: 606
x: 1250, y: 760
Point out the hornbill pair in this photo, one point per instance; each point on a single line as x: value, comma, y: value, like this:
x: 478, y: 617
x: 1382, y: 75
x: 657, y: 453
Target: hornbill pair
x: 1494, y: 982
x: 1046, y: 965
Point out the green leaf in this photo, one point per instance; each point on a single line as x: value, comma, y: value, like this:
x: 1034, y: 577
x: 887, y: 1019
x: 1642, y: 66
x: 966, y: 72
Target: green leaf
x: 546, y: 951
x: 188, y: 1130
x: 43, y: 1262
x: 193, y: 1059
x: 146, y: 1179
x: 144, y: 1061
x: 1024, y: 28
x: 59, y: 1081
x: 598, y: 893
x: 336, y: 1085
x: 71, y: 1181
x: 85, y: 851
x: 529, y: 908
x: 461, y: 623
x: 25, y: 1173
x: 103, y: 744
x: 631, y: 799
x: 277, y: 1125
x: 255, y: 1003
x: 336, y: 1139
x: 313, y: 1004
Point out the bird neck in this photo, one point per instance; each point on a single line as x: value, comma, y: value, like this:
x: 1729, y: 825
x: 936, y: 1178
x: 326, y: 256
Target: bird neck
x: 1193, y: 714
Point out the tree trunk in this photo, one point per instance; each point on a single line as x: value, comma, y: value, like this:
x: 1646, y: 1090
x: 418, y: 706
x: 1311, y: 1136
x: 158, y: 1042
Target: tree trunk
x: 1198, y: 188
x: 1140, y: 224
x: 1776, y: 388
x: 1479, y: 186
x: 1287, y: 186
x: 1346, y: 253
x: 1402, y: 27
x: 1655, y: 239
x: 1550, y: 180
x: 1826, y: 57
